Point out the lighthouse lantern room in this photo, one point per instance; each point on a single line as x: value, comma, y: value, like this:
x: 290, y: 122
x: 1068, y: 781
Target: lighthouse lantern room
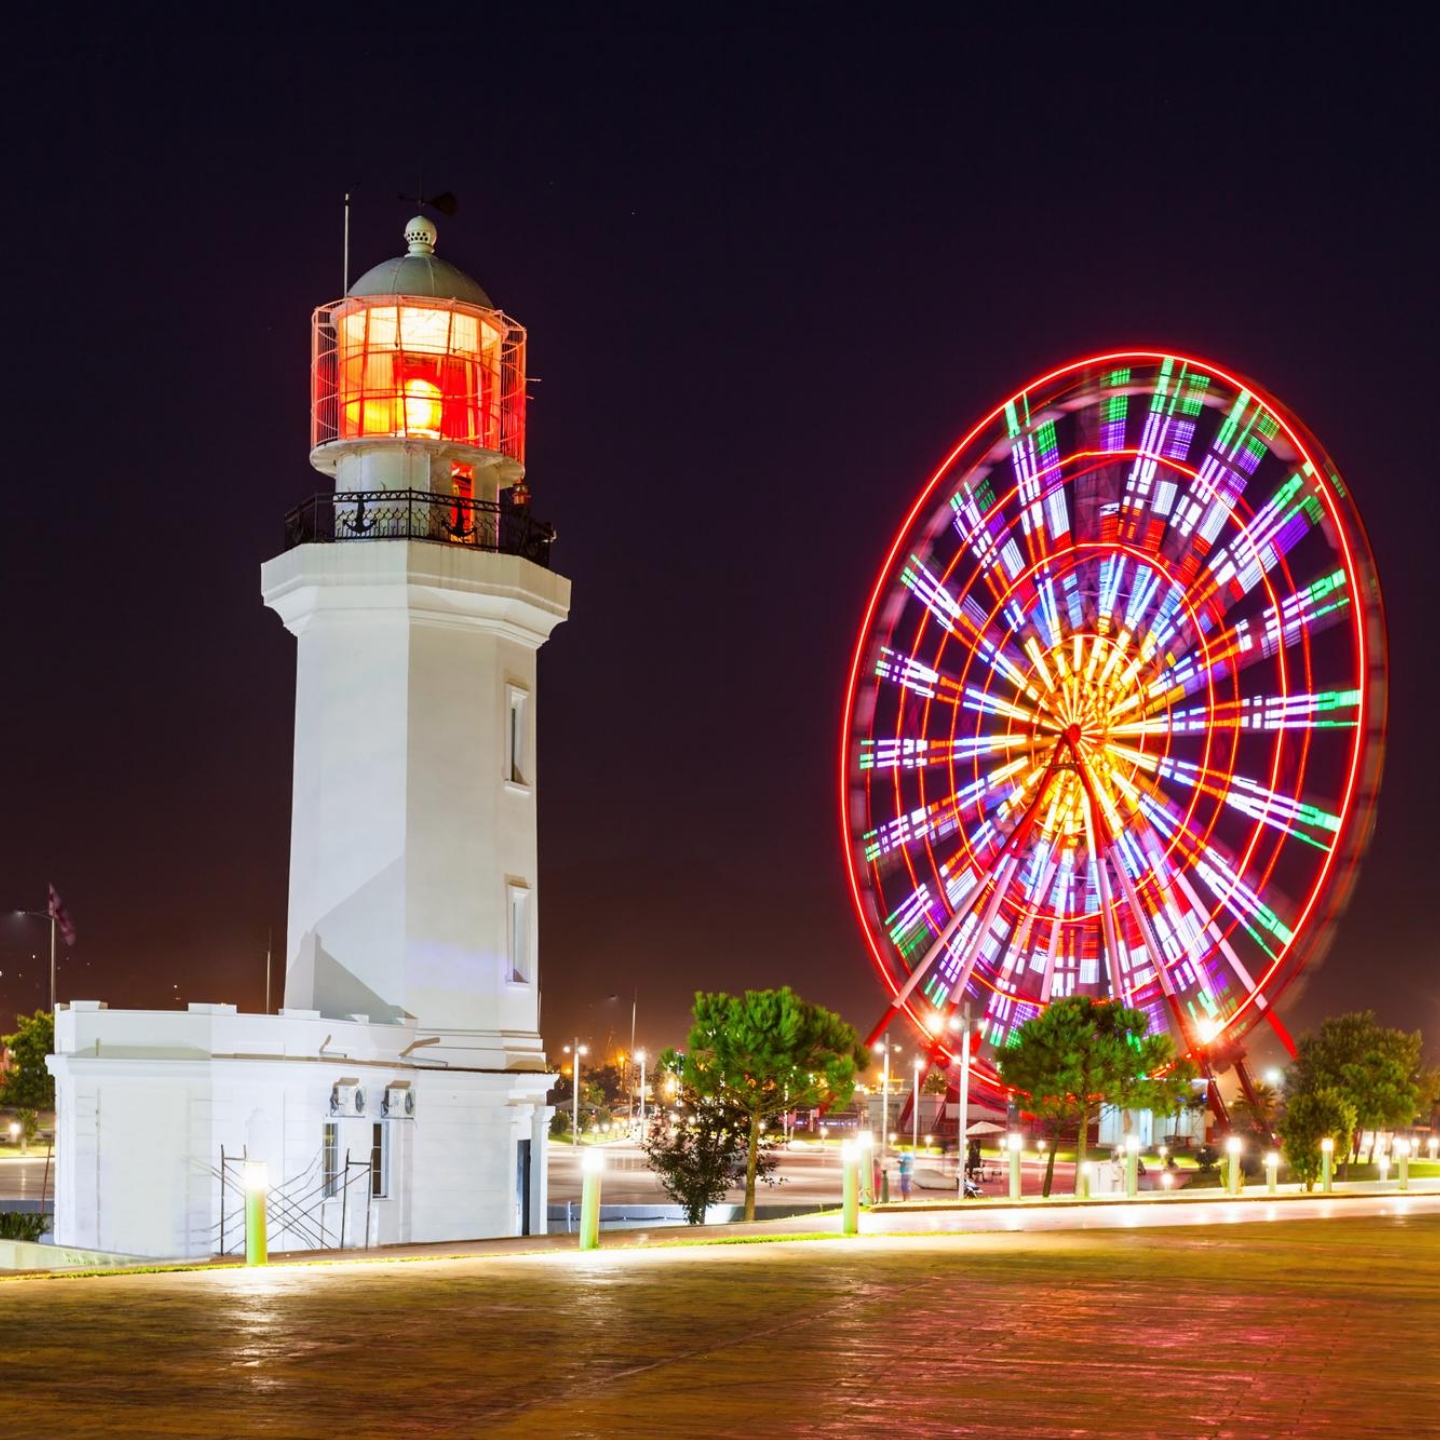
x: 416, y: 352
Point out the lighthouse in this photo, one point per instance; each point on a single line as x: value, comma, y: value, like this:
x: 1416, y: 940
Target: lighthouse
x: 400, y: 1094
x: 419, y: 590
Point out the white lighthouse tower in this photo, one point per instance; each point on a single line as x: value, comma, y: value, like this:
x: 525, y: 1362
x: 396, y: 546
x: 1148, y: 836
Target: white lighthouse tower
x: 419, y: 592
x: 400, y: 1094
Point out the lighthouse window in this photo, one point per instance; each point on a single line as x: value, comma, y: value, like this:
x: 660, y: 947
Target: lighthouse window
x: 515, y: 758
x: 330, y: 1160
x: 518, y: 960
x: 379, y: 1160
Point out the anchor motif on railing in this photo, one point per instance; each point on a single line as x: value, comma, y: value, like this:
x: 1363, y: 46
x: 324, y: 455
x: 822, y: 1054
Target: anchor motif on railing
x: 357, y: 522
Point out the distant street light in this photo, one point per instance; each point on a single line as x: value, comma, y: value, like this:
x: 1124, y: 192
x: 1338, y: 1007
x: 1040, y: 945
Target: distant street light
x: 575, y: 1052
x: 915, y: 1105
x: 640, y: 1056
x: 963, y: 1094
x: 886, y: 1048
x: 47, y: 915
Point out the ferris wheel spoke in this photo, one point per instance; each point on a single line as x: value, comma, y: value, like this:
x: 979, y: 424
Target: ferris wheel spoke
x: 1220, y: 872
x: 1301, y: 614
x: 1011, y: 848
x: 1285, y: 813
x: 979, y: 521
x: 1166, y: 434
x: 1233, y: 455
x: 904, y: 752
x: 1035, y: 461
x: 1323, y: 710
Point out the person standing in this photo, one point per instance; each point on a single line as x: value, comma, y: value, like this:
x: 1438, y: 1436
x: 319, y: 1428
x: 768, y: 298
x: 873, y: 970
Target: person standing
x: 907, y: 1169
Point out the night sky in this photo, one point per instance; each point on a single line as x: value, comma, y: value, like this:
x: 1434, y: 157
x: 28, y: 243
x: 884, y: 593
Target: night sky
x: 771, y: 269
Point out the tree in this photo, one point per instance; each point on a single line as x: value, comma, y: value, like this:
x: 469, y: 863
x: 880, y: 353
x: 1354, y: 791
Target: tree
x: 27, y: 1084
x: 699, y: 1157
x: 1079, y: 1053
x: 936, y: 1083
x: 1310, y: 1117
x: 763, y: 1053
x: 1257, y: 1116
x: 1375, y: 1068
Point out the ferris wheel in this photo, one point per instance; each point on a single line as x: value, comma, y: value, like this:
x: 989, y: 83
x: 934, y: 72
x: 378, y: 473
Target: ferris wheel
x: 1114, y: 720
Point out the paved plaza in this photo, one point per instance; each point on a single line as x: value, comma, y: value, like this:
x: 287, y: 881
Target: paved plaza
x: 1281, y: 1329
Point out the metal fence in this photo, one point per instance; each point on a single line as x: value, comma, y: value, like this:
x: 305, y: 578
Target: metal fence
x: 419, y: 515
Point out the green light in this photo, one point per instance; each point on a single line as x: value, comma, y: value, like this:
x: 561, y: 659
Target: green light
x: 1194, y: 400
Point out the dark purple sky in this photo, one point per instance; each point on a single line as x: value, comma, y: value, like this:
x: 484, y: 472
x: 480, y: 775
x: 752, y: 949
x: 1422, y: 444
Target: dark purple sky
x: 770, y: 272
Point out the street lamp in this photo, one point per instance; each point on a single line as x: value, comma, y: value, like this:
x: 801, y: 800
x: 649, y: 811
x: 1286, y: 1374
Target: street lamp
x: 886, y: 1048
x: 915, y: 1105
x: 640, y: 1056
x: 575, y: 1052
x: 50, y: 916
x: 963, y: 1096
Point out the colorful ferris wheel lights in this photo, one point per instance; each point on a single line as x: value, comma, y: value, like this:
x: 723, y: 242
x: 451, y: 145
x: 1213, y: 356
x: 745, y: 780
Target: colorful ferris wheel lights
x: 1114, y: 721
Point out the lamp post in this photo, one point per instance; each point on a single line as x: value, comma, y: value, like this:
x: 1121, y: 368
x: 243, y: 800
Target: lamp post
x: 640, y: 1056
x: 915, y: 1106
x: 575, y: 1052
x: 1232, y: 1171
x: 1433, y: 1146
x: 1327, y: 1165
x: 1132, y: 1166
x: 963, y: 1094
x: 46, y: 915
x: 886, y: 1048
x: 1402, y: 1156
x: 1014, y: 1140
x: 1272, y: 1171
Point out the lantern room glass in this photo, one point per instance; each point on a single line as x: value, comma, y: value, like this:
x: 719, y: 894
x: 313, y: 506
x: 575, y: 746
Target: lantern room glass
x: 409, y: 369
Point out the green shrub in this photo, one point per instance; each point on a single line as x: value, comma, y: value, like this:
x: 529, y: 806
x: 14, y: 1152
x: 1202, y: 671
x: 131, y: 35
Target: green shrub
x: 21, y: 1225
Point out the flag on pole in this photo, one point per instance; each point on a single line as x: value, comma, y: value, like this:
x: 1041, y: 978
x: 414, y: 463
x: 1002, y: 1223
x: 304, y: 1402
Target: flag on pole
x: 61, y: 919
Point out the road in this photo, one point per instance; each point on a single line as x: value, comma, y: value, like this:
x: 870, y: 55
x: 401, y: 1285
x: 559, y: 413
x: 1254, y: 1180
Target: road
x: 808, y: 1174
x: 23, y: 1179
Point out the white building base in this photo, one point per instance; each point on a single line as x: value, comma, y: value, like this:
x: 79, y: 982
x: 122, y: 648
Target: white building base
x: 156, y: 1112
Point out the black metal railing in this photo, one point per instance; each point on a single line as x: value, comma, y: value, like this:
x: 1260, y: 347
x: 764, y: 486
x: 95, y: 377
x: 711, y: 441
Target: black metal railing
x: 419, y: 515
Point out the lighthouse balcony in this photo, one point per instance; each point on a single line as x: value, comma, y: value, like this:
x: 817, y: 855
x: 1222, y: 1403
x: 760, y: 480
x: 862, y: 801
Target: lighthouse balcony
x: 497, y: 526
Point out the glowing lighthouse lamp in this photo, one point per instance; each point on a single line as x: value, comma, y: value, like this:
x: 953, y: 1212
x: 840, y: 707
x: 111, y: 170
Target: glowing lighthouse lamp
x: 416, y: 352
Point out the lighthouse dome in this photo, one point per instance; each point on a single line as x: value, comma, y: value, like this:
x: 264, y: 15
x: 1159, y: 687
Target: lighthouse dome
x: 420, y: 272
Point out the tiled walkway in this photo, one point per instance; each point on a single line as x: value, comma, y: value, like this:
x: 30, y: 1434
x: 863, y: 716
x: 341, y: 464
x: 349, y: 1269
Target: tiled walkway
x: 1281, y: 1330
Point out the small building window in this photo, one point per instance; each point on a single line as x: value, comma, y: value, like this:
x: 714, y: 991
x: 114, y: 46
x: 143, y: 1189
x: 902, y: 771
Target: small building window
x: 330, y: 1160
x: 517, y: 766
x: 379, y: 1160
x: 518, y: 957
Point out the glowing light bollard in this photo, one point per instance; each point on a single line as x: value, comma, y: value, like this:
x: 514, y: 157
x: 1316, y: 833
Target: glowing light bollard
x: 593, y: 1165
x: 1082, y: 1181
x: 1384, y: 1168
x: 1433, y: 1146
x: 867, y: 1168
x: 1132, y: 1166
x: 257, y: 1191
x: 1232, y: 1167
x: 1327, y: 1165
x: 1272, y: 1171
x: 850, y: 1204
x: 1402, y: 1159
x: 1014, y: 1141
